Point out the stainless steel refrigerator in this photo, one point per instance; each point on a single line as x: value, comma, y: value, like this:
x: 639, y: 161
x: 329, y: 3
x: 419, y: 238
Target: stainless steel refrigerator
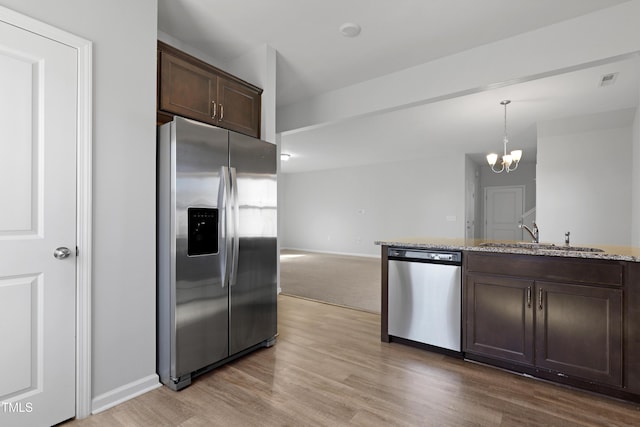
x: 217, y: 253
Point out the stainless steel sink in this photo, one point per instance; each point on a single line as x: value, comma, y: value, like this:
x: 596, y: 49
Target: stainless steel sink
x: 540, y: 246
x: 579, y: 249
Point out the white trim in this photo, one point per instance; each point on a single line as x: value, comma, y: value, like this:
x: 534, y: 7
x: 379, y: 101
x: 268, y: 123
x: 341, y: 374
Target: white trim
x: 84, y: 217
x: 84, y: 166
x: 529, y: 212
x: 122, y: 394
x: 331, y: 252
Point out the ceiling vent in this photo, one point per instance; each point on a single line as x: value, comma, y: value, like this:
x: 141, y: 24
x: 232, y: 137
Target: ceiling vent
x: 608, y: 79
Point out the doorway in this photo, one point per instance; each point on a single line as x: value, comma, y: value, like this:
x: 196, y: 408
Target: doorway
x: 46, y: 174
x: 503, y: 209
x: 478, y: 172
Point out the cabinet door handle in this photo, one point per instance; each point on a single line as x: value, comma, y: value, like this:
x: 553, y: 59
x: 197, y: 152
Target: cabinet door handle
x: 215, y: 110
x: 221, y: 112
x: 529, y: 296
x: 540, y: 298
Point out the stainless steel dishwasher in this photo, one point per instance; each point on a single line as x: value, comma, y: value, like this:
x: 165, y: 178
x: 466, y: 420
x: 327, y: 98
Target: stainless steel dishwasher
x: 424, y: 297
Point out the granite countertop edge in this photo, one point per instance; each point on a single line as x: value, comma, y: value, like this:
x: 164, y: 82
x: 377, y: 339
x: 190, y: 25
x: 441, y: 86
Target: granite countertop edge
x: 608, y: 254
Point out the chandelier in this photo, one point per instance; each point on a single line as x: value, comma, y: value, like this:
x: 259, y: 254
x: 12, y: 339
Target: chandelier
x: 509, y: 161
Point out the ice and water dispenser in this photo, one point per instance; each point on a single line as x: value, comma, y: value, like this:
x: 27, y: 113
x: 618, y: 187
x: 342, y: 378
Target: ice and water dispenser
x: 202, y: 231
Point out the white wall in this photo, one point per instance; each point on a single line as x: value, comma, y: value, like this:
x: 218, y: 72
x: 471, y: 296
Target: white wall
x: 584, y: 179
x: 124, y: 37
x: 346, y: 210
x: 472, y: 187
x: 635, y: 198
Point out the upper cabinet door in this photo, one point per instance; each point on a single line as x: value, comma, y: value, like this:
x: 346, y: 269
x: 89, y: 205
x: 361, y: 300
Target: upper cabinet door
x: 239, y: 107
x: 187, y: 90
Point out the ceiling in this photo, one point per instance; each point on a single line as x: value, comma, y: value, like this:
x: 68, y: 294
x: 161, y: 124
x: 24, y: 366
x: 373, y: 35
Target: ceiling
x: 313, y: 57
x: 473, y: 124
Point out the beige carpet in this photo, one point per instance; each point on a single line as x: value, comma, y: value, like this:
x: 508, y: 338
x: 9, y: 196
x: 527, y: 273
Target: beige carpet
x: 349, y: 281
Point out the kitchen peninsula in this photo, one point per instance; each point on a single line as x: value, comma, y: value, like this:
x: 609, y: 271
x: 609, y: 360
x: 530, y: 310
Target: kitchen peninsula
x: 565, y: 314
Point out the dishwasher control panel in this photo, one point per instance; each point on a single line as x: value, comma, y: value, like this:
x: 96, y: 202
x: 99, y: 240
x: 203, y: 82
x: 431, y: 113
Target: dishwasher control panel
x: 427, y: 255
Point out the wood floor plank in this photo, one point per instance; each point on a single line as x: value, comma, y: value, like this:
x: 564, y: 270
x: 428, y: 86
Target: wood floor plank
x: 329, y: 368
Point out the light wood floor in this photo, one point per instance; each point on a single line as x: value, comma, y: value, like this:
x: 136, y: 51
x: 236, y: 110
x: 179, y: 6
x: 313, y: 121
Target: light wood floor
x: 329, y: 368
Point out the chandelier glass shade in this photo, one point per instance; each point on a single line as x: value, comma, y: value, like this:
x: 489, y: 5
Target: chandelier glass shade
x: 509, y: 161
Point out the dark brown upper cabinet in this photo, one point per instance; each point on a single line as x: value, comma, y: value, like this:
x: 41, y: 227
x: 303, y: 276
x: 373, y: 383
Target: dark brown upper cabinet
x: 194, y: 89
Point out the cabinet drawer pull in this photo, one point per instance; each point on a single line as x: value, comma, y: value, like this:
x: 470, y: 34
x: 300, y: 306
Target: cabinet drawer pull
x: 540, y: 298
x: 215, y: 109
x: 221, y: 112
x: 529, y: 296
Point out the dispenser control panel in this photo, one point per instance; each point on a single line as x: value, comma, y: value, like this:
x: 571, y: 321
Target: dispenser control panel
x: 203, y: 231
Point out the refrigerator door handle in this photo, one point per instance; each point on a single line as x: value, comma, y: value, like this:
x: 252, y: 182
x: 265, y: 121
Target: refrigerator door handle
x: 225, y: 206
x: 236, y: 227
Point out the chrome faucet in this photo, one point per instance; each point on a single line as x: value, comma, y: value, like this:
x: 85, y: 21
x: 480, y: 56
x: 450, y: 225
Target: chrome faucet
x: 535, y: 233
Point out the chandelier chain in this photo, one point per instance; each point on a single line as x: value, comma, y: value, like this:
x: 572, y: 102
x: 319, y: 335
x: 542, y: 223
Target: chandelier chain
x: 506, y: 139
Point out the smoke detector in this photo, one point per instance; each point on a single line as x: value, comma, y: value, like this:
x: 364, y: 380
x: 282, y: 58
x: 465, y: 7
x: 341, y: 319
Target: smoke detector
x: 349, y: 29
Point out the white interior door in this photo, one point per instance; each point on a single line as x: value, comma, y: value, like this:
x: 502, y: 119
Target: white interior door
x: 503, y: 208
x: 38, y: 113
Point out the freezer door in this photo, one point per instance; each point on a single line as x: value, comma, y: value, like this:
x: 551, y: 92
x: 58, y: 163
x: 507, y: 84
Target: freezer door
x: 253, y: 286
x: 201, y: 294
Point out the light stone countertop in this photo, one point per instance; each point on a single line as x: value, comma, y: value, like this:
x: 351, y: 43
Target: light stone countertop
x: 616, y: 253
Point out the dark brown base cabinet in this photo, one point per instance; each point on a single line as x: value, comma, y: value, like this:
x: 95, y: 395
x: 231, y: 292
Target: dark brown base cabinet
x: 191, y: 88
x: 562, y: 319
x: 500, y: 318
x: 568, y: 329
x: 579, y: 331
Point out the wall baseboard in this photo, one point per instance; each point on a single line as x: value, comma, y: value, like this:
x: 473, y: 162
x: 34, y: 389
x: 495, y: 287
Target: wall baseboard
x: 331, y: 252
x: 124, y: 393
